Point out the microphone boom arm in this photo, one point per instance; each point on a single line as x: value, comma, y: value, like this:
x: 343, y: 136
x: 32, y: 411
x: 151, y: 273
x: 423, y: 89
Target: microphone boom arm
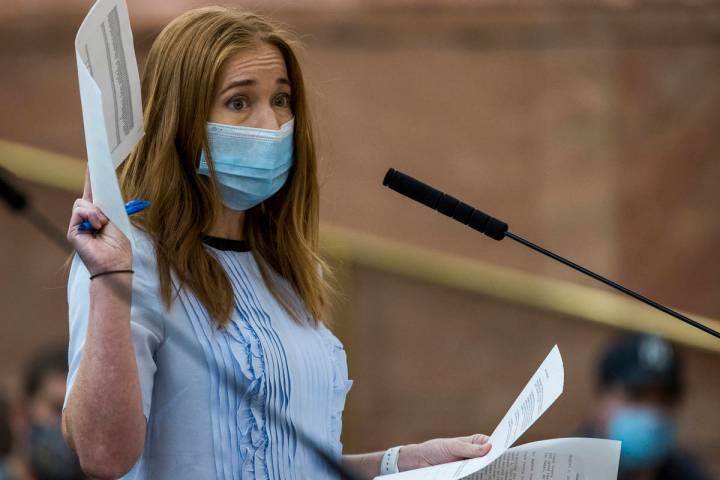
x: 497, y: 229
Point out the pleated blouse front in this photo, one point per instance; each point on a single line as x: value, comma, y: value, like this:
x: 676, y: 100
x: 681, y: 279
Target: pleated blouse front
x: 225, y: 403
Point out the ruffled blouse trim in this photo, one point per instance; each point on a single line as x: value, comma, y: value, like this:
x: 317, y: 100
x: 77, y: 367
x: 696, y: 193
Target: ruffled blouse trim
x: 235, y: 354
x: 251, y: 414
x: 248, y: 350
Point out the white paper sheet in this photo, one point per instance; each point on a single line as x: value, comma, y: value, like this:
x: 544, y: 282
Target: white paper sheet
x: 111, y: 104
x: 541, y: 391
x: 544, y: 387
x: 105, y: 188
x: 557, y: 459
x: 104, y: 43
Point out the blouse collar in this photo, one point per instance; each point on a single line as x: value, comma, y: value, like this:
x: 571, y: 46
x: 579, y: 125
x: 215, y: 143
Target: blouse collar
x: 226, y: 244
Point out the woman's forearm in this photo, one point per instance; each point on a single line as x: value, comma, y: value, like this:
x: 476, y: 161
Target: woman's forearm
x: 104, y: 419
x: 367, y: 465
x: 418, y: 455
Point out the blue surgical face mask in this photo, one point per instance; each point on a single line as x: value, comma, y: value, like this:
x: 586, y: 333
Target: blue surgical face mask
x: 647, y: 436
x: 251, y: 164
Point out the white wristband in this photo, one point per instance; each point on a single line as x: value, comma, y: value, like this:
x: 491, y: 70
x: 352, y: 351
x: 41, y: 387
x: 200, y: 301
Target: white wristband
x: 389, y: 463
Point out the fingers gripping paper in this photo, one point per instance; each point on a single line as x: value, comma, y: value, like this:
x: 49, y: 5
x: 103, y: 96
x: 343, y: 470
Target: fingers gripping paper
x: 558, y: 459
x: 111, y: 103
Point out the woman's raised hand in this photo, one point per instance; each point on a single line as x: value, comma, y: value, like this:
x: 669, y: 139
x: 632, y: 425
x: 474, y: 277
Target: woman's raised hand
x: 105, y: 247
x: 442, y: 450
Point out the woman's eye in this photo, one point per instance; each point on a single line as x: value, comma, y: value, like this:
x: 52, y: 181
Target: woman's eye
x: 282, y: 100
x: 237, y: 103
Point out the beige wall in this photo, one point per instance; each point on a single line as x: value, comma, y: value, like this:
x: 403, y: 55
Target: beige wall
x: 590, y: 130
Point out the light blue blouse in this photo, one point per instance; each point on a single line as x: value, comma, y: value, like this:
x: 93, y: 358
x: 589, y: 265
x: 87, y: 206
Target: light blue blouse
x: 224, y: 403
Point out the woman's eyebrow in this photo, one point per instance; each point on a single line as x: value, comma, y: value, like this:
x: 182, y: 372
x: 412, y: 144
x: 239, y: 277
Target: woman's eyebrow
x: 239, y: 83
x: 251, y: 82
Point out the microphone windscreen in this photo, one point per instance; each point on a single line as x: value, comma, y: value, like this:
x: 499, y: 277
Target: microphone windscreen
x: 412, y: 188
x: 445, y: 204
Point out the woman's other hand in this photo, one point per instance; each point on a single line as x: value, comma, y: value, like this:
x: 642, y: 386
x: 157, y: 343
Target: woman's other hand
x: 442, y: 450
x: 105, y: 247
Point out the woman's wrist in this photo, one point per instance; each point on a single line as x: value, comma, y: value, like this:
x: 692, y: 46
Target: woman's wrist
x: 124, y: 265
x: 121, y: 271
x: 408, y: 458
x: 113, y: 285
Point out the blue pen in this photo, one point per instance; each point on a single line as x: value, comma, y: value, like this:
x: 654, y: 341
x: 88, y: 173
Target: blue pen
x: 131, y: 207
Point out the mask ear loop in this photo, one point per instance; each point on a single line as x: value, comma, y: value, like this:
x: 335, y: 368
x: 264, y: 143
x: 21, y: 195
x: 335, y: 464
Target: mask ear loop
x: 290, y: 122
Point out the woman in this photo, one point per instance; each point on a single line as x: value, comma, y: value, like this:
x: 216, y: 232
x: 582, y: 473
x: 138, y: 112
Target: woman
x: 222, y: 354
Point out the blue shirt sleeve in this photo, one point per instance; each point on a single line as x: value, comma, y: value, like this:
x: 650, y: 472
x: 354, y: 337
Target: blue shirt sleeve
x: 146, y: 322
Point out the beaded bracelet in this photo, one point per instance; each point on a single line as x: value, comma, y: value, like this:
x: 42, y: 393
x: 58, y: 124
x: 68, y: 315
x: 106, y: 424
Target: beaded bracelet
x: 109, y: 272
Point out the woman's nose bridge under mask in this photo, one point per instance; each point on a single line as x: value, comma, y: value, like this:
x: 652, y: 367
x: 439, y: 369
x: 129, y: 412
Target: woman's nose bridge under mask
x: 251, y: 164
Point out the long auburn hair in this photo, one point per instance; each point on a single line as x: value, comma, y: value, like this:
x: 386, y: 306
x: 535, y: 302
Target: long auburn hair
x: 178, y: 84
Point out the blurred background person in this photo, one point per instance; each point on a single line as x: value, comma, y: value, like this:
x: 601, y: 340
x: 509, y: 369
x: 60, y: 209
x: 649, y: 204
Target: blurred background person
x: 44, y: 387
x: 6, y: 440
x: 639, y: 388
x: 11, y: 465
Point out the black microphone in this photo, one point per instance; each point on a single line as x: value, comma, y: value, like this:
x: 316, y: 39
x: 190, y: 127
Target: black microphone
x: 15, y: 199
x: 445, y: 204
x: 19, y: 203
x: 497, y: 229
